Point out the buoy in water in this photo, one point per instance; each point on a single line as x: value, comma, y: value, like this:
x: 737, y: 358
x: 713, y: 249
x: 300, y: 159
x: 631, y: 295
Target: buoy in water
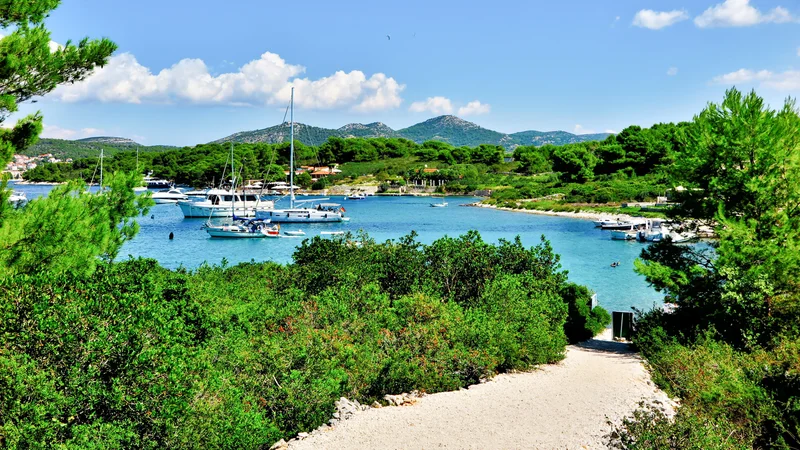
x: 171, y: 235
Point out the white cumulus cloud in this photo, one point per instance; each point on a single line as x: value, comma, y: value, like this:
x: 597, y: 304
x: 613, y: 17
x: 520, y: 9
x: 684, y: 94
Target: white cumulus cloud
x: 656, y: 20
x: 788, y: 81
x: 739, y: 13
x: 435, y: 105
x: 579, y: 129
x: 672, y: 71
x: 267, y: 80
x: 474, y: 108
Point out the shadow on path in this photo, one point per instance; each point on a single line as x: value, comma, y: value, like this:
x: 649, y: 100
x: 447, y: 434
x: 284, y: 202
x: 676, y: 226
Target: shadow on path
x: 604, y: 346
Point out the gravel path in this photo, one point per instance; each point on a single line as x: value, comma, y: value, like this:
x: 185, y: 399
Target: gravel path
x: 560, y: 406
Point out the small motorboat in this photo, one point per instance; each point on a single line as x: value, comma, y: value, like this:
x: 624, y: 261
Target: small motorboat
x: 18, y: 198
x: 273, y: 231
x: 172, y: 195
x: 356, y: 196
x: 601, y: 222
x: 296, y: 233
x: 439, y: 205
x: 623, y: 225
x: 624, y: 235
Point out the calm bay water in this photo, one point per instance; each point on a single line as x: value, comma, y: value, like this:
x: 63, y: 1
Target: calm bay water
x: 586, y: 252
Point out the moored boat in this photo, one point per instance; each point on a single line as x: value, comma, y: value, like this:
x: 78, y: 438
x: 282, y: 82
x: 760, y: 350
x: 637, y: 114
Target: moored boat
x: 356, y: 196
x: 324, y: 212
x: 242, y: 229
x: 18, y: 198
x: 623, y: 224
x: 225, y: 203
x: 156, y: 183
x: 172, y: 195
x: 623, y: 235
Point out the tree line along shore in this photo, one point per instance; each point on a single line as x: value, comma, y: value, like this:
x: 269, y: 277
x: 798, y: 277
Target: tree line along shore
x: 632, y: 166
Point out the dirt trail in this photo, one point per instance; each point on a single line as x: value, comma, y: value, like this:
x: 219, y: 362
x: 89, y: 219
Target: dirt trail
x: 560, y: 406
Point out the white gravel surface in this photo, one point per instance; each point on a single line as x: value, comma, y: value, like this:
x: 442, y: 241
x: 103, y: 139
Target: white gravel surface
x: 559, y: 406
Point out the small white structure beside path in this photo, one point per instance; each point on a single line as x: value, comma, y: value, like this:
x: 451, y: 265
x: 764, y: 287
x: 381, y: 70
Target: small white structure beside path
x: 565, y: 406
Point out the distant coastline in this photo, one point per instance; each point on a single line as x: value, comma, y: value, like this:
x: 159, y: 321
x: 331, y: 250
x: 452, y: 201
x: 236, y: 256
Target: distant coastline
x: 36, y: 183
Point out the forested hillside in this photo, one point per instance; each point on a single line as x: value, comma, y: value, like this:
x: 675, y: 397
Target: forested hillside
x: 90, y: 147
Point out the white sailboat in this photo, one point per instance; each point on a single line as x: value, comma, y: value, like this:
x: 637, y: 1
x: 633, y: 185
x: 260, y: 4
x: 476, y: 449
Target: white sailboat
x: 323, y: 212
x: 138, y: 188
x: 166, y: 196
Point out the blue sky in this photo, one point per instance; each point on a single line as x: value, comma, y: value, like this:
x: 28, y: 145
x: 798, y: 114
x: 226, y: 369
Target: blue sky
x: 188, y: 72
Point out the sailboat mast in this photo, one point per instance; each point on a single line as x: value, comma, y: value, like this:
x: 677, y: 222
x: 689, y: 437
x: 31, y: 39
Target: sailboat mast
x: 101, y: 169
x: 233, y: 186
x: 291, y: 151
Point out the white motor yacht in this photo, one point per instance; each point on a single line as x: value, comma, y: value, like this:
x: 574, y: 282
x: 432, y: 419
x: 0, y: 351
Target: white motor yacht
x: 18, y: 198
x: 222, y: 203
x: 172, y: 195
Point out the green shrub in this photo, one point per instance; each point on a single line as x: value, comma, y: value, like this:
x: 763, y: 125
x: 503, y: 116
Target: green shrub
x: 583, y: 322
x: 135, y: 355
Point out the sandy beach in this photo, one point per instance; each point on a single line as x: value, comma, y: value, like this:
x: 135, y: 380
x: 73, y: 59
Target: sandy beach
x: 566, y: 406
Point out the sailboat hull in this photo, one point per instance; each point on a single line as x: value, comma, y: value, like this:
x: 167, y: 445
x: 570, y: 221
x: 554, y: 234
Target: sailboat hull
x: 299, y: 215
x: 235, y: 234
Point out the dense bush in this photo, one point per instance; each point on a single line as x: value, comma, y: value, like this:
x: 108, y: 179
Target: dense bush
x: 134, y: 355
x: 751, y: 395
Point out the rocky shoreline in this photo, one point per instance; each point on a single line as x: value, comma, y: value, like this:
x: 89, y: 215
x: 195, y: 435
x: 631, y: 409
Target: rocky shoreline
x: 589, y: 215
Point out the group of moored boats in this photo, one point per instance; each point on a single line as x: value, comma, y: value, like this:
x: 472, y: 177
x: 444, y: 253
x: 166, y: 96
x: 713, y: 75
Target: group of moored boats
x: 243, y: 207
x: 645, y: 230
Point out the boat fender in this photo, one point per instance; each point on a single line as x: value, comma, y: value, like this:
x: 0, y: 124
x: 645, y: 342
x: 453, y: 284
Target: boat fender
x: 171, y: 235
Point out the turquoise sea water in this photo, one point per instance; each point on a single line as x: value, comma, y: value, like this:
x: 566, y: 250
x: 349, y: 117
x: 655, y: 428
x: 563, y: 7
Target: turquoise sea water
x: 586, y: 252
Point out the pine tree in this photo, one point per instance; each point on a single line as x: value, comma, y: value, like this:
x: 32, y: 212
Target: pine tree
x: 71, y: 228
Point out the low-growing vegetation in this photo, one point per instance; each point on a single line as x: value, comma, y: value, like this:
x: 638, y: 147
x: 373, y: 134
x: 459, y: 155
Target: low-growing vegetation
x: 134, y: 355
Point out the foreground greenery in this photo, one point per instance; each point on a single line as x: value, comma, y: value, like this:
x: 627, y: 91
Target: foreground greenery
x: 731, y: 348
x: 134, y: 355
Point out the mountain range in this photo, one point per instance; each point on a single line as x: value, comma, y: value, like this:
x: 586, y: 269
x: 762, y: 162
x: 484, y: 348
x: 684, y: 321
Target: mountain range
x: 450, y: 129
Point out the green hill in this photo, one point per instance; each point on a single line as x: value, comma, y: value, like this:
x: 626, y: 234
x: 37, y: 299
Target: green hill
x: 89, y: 147
x: 450, y: 129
